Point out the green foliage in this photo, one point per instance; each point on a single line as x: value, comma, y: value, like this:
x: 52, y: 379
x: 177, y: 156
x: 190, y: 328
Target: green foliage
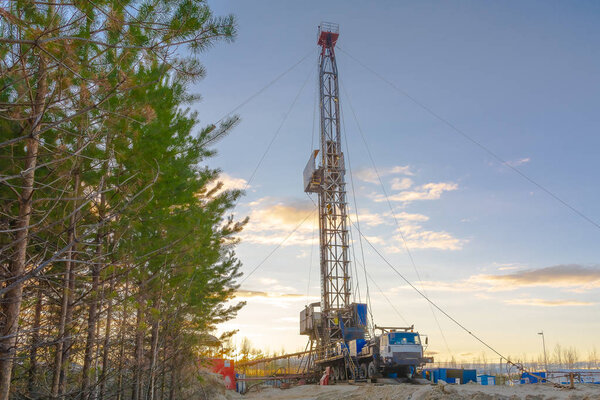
x: 122, y: 194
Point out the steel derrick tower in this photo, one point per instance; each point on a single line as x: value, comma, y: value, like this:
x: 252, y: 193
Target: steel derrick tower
x: 327, y: 180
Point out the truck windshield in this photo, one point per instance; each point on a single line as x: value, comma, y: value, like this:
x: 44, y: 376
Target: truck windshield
x: 404, y: 338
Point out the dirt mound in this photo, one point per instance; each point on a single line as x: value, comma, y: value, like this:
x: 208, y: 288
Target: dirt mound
x: 428, y: 392
x: 212, y: 387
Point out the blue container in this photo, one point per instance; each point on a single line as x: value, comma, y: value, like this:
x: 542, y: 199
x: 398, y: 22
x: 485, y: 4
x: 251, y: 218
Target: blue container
x: 356, y: 346
x: 469, y: 375
x: 534, y: 377
x: 486, y: 380
x: 450, y: 375
x: 360, y: 310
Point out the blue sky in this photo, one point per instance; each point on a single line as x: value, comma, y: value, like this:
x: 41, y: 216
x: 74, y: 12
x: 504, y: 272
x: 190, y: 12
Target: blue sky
x: 499, y: 254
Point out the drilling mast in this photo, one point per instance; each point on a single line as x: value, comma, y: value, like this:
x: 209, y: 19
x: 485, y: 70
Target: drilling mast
x: 327, y: 180
x: 340, y: 341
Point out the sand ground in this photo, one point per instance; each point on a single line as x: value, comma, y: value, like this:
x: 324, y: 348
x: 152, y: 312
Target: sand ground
x: 425, y: 392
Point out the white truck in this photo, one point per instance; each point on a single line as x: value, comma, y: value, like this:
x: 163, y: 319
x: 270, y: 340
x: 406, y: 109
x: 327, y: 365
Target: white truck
x: 394, y: 351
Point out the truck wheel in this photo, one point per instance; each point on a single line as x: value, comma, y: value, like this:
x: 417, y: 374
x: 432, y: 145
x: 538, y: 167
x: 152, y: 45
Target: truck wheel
x: 372, y: 371
x: 336, y: 373
x: 362, y: 371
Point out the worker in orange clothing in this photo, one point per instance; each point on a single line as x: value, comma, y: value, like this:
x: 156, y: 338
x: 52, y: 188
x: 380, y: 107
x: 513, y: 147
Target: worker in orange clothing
x: 325, y: 378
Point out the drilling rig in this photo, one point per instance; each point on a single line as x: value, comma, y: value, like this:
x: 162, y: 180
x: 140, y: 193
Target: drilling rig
x: 338, y: 329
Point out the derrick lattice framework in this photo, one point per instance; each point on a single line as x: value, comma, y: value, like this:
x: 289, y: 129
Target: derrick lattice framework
x: 333, y: 220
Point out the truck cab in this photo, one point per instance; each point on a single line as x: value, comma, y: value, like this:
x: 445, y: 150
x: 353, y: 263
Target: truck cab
x: 400, y: 348
x: 396, y: 351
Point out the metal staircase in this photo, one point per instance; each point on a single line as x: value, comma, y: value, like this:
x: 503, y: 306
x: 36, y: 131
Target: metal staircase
x: 350, y: 363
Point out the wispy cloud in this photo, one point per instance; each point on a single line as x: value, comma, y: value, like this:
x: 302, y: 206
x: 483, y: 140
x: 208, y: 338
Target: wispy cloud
x: 572, y: 276
x: 256, y: 293
x: 270, y: 289
x: 275, y: 238
x: 270, y: 213
x: 271, y: 220
x: 229, y: 182
x: 507, y: 266
x: 428, y: 191
x: 549, y: 303
x: 386, y: 218
x: 370, y: 175
x: 521, y: 161
x: 404, y: 216
x: 373, y: 240
x: 401, y: 183
x: 371, y: 219
x: 445, y: 286
x: 417, y: 237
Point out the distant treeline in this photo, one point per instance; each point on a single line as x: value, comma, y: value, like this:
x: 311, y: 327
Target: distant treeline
x: 560, y: 357
x: 117, y: 245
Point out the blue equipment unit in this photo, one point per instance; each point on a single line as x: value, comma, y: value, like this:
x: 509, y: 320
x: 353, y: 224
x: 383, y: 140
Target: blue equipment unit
x: 469, y: 375
x: 450, y: 375
x: 360, y: 313
x: 352, y: 333
x: 486, y: 380
x: 533, y: 377
x: 356, y: 346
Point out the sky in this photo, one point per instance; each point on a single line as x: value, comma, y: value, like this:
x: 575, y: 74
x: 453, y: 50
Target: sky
x: 492, y: 249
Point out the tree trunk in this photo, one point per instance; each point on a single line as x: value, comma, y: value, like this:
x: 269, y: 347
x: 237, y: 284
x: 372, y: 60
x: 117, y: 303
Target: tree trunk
x: 139, y: 352
x: 107, y: 329
x: 96, y: 266
x: 154, y: 344
x: 35, y: 342
x: 120, y: 387
x: 163, y: 370
x: 94, y: 387
x: 68, y: 340
x: 65, y: 312
x: 11, y: 303
x: 172, y: 386
x: 153, y: 358
x: 92, y: 319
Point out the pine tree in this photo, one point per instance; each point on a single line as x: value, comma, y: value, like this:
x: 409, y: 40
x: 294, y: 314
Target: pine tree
x: 105, y: 206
